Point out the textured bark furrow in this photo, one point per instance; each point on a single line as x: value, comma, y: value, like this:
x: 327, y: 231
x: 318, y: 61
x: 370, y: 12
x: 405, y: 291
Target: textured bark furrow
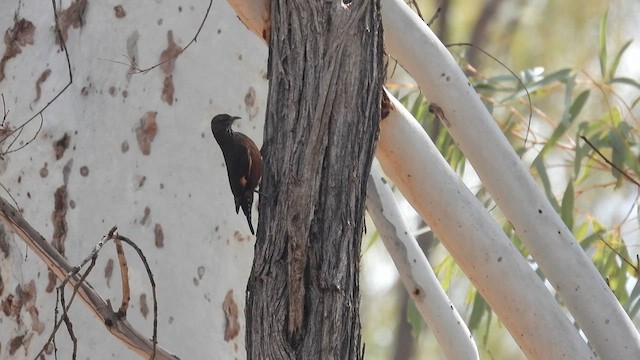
x: 326, y: 69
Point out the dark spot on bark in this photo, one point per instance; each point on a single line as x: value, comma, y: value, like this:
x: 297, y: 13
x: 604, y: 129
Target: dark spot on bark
x: 44, y: 171
x: 72, y: 204
x: 7, y: 305
x: 125, y: 146
x: 161, y: 186
x: 15, y: 343
x: 499, y: 258
x: 84, y: 171
x: 250, y: 102
x: 145, y: 217
x: 144, y: 307
x: 66, y: 171
x: 58, y: 219
x: 112, y: 90
x: 141, y: 182
x: 230, y: 308
x: 196, y: 282
x: 159, y: 234
x: 170, y: 55
x: 448, y: 78
x: 168, y: 89
x: 27, y: 294
x: 416, y: 292
x: 240, y: 57
x: 539, y: 211
x: 60, y: 145
x: 160, y: 22
x: 146, y: 131
x: 72, y: 16
x: 125, y: 93
x: 119, y: 11
x: 5, y: 248
x: 200, y: 272
x: 386, y: 106
x: 43, y: 77
x: 84, y: 91
x: 20, y: 35
x: 52, y: 282
x: 108, y: 272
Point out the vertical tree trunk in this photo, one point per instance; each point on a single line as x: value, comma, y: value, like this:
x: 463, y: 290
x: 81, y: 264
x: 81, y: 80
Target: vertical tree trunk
x: 326, y: 69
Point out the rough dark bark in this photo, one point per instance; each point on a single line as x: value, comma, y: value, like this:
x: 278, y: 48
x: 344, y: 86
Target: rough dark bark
x: 326, y: 76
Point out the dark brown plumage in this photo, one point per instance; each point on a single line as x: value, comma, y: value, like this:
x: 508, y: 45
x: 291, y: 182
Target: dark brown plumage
x: 244, y: 162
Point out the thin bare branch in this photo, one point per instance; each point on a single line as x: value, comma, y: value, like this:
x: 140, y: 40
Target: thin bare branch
x: 124, y: 275
x: 137, y: 70
x: 609, y: 161
x: 514, y: 75
x: 119, y: 327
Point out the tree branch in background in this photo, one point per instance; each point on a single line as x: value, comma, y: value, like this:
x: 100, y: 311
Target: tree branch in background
x: 609, y: 161
x: 116, y: 324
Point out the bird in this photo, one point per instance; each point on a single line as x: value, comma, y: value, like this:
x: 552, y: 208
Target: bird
x: 243, y: 160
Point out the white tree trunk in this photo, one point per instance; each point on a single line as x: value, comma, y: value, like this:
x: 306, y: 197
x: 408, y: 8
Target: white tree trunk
x: 174, y: 202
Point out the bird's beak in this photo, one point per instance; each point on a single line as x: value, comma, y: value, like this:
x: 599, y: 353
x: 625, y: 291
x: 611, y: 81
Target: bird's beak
x: 234, y: 118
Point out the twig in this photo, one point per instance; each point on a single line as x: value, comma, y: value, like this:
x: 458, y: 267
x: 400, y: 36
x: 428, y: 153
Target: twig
x: 124, y: 275
x: 526, y: 137
x: 415, y: 5
x: 4, y: 110
x: 434, y: 17
x: 136, y: 70
x: 119, y: 327
x: 636, y: 268
x: 153, y: 288
x: 609, y: 162
x: 28, y: 142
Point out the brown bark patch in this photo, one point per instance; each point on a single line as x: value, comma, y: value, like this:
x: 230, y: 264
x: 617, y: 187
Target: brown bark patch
x: 15, y: 343
x: 61, y: 145
x: 108, y: 272
x: 230, y: 309
x: 145, y: 217
x: 72, y: 16
x: 27, y: 294
x: 58, y: 218
x: 43, y: 77
x: 146, y: 131
x: 84, y: 171
x: 168, y: 59
x: 20, y: 35
x: 144, y: 307
x: 119, y: 11
x: 159, y: 234
x: 44, y: 172
x: 250, y: 102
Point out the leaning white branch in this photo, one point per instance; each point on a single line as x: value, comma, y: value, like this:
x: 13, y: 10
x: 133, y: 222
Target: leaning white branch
x: 475, y: 240
x: 416, y: 273
x: 573, y: 275
x: 118, y: 326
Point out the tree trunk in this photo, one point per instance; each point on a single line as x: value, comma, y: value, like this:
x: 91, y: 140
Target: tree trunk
x: 326, y: 69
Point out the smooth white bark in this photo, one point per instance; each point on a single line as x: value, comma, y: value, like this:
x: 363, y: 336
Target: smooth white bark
x: 415, y: 272
x: 476, y: 241
x: 569, y: 269
x: 206, y: 249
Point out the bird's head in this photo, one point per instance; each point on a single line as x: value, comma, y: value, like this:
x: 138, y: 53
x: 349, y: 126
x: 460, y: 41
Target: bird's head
x: 222, y: 123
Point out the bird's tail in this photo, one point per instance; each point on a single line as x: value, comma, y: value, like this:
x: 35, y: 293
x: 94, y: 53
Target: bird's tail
x: 246, y: 204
